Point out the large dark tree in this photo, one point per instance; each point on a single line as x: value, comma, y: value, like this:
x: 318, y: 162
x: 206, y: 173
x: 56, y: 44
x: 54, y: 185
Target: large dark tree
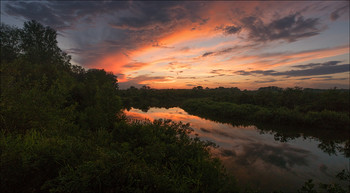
x: 41, y: 89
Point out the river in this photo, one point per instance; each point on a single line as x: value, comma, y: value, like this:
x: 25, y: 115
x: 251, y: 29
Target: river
x: 258, y: 159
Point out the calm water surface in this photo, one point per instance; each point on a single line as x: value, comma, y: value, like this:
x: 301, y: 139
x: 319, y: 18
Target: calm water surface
x: 255, y: 158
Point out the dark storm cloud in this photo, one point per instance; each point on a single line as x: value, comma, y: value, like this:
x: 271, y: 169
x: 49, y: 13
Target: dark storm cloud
x: 126, y: 25
x: 157, y: 15
x: 323, y: 78
x: 310, y: 65
x: 148, y: 15
x: 62, y: 14
x: 320, y: 70
x: 313, y: 69
x: 34, y: 10
x: 229, y: 29
x: 147, y: 22
x: 290, y: 28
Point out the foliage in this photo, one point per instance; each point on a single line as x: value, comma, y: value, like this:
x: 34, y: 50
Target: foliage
x: 41, y: 89
x: 256, y: 114
x: 133, y: 157
x: 61, y: 129
x: 310, y: 187
x: 303, y: 100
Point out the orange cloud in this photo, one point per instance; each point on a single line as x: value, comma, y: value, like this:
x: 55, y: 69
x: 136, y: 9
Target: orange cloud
x: 113, y: 62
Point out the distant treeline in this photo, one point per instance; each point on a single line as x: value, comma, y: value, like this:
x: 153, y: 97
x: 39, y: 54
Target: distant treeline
x: 288, y: 113
x: 61, y: 129
x: 290, y: 106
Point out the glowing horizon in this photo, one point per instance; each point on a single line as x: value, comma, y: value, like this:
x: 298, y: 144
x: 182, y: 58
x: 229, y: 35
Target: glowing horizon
x: 185, y: 44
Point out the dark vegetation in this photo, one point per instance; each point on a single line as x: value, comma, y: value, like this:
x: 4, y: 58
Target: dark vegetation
x: 287, y: 113
x: 62, y: 129
x: 310, y: 187
x: 308, y: 108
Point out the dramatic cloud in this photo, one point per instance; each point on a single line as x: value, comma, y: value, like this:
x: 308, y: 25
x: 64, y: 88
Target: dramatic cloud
x: 155, y: 15
x: 313, y: 69
x: 171, y: 44
x: 290, y: 28
x: 312, y: 65
x: 62, y: 14
x: 229, y: 29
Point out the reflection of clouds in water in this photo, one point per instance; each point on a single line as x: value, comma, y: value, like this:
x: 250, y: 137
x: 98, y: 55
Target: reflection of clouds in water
x: 204, y: 130
x: 253, y: 155
x: 228, y: 153
x: 230, y: 135
x: 283, y: 156
x: 324, y: 169
x: 247, y: 150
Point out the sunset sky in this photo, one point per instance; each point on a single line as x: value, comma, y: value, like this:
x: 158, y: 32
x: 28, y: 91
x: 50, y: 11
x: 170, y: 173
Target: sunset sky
x: 173, y: 44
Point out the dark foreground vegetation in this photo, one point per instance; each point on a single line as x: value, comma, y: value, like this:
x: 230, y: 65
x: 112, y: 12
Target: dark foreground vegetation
x: 60, y: 131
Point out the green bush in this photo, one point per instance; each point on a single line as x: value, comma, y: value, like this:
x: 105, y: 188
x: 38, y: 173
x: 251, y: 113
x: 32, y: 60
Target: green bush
x: 133, y: 157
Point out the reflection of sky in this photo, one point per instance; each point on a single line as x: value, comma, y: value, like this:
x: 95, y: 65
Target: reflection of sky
x: 257, y: 158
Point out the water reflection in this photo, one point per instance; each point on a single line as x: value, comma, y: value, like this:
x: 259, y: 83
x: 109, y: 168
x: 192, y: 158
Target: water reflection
x: 263, y: 158
x: 283, y: 156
